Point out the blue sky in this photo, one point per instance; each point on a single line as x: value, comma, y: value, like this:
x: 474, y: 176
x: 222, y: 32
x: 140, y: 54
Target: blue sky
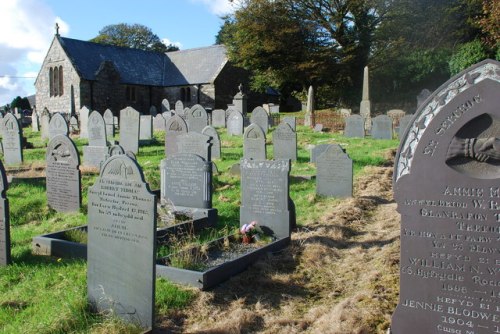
x: 27, y: 28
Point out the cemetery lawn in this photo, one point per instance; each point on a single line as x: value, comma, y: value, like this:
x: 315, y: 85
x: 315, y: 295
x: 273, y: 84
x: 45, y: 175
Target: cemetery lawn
x: 339, y: 275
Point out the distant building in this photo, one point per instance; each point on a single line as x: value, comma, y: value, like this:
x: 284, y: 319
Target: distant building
x: 75, y: 73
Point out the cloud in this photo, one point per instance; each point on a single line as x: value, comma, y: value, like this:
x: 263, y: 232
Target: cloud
x: 220, y: 7
x: 167, y: 42
x: 25, y: 36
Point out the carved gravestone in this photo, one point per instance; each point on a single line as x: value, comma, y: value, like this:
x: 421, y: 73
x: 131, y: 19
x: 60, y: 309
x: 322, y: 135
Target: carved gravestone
x: 97, y: 149
x: 58, y: 126
x: 174, y: 127
x: 4, y: 219
x: 403, y: 124
x: 44, y: 123
x: 235, y: 123
x: 63, y: 175
x: 261, y: 118
x: 35, y: 122
x: 354, y: 127
x: 110, y: 126
x: 11, y: 141
x: 129, y: 129
x: 317, y: 150
x: 219, y: 118
x: 215, y: 150
x: 334, y: 173
x: 159, y: 123
x: 73, y: 125
x: 152, y: 111
x: 121, y: 250
x: 195, y: 143
x: 146, y: 128
x: 382, y: 127
x: 291, y: 121
x: 196, y: 118
x: 447, y: 188
x: 265, y: 195
x: 284, y: 142
x: 254, y: 143
x: 179, y: 108
x: 165, y: 105
x: 83, y: 118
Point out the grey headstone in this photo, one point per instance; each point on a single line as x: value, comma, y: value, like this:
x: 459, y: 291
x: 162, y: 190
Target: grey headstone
x: 196, y: 118
x: 403, y: 124
x: 174, y: 127
x: 165, y: 105
x: 122, y: 243
x: 284, y: 142
x: 265, y: 195
x: 345, y: 112
x: 254, y: 143
x: 447, y: 189
x: 159, y: 123
x: 63, y: 175
x: 291, y: 121
x: 235, y: 169
x: 261, y: 118
x: 317, y: 150
x: 83, y: 118
x: 4, y: 220
x: 35, y: 122
x: 146, y: 127
x: 219, y: 118
x: 58, y: 126
x: 354, y: 127
x: 215, y: 147
x: 186, y: 180
x: 235, y: 123
x: 109, y: 121
x: 382, y: 127
x: 422, y: 96
x: 44, y: 123
x: 152, y: 111
x: 96, y: 130
x: 318, y: 128
x: 334, y: 173
x: 73, y: 125
x: 194, y: 143
x: 129, y: 129
x: 274, y: 108
x: 11, y: 141
x: 116, y: 150
x: 179, y: 108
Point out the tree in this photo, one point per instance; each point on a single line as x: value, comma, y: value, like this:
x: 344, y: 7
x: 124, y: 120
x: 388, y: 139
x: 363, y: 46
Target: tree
x: 20, y: 103
x: 132, y: 36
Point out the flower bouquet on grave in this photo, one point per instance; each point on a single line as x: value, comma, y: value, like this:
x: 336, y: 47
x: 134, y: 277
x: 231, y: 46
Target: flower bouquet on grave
x: 250, y: 232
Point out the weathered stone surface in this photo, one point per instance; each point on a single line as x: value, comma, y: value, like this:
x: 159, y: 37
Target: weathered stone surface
x: 196, y: 118
x: 447, y: 188
x: 83, y: 117
x: 284, y: 142
x: 44, y: 124
x: 334, y: 173
x: 317, y: 150
x: 11, y: 141
x: 354, y: 127
x: 146, y: 127
x: 186, y: 180
x: 73, y: 125
x: 235, y: 123
x: 159, y: 122
x: 219, y: 118
x: 58, y: 126
x: 165, y: 105
x: 35, y: 122
x: 109, y: 121
x: 122, y: 243
x: 63, y: 175
x: 261, y: 118
x: 179, y: 108
x: 382, y: 127
x: 254, y: 143
x: 195, y: 143
x: 174, y: 127
x: 265, y: 195
x: 129, y: 129
x: 215, y: 149
x: 403, y: 124
x: 116, y: 150
x: 96, y: 130
x: 4, y: 220
x: 291, y: 121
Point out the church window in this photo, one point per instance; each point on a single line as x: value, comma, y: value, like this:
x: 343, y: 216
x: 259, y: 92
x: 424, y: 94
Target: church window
x: 130, y: 94
x: 56, y: 81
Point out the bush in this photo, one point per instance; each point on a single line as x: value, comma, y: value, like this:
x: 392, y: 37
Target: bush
x: 467, y: 54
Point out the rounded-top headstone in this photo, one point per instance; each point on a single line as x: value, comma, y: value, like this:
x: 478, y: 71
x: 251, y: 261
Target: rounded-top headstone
x: 254, y: 143
x: 58, y: 126
x: 96, y: 129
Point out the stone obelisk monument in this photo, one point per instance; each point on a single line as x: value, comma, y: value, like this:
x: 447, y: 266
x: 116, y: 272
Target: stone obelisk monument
x: 309, y: 117
x: 365, y: 107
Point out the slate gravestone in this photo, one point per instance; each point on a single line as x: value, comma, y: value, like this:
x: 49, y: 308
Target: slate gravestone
x: 265, y: 195
x: 174, y: 127
x: 284, y: 142
x: 219, y: 118
x: 291, y: 121
x: 196, y: 118
x: 179, y: 108
x: 58, y: 126
x: 146, y: 128
x: 109, y: 121
x: 83, y: 118
x: 97, y: 150
x: 235, y: 123
x: 129, y: 129
x: 254, y: 143
x: 334, y: 173
x: 11, y: 141
x: 215, y: 150
x: 152, y: 111
x: 44, y: 123
x: 354, y: 127
x: 403, y: 124
x: 195, y: 143
x: 4, y: 219
x: 165, y: 105
x: 317, y: 150
x: 422, y: 96
x: 73, y: 125
x: 35, y: 122
x: 261, y: 118
x: 121, y: 250
x: 63, y: 175
x: 382, y: 127
x: 159, y: 123
x: 447, y: 188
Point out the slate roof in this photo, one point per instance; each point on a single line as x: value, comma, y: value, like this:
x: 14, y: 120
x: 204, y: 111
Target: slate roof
x: 194, y: 66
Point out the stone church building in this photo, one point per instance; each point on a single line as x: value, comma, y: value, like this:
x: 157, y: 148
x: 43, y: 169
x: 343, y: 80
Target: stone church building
x: 79, y: 73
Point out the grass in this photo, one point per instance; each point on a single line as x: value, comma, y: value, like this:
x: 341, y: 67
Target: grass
x: 48, y: 295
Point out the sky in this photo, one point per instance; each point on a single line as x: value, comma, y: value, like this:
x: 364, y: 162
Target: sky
x: 27, y: 29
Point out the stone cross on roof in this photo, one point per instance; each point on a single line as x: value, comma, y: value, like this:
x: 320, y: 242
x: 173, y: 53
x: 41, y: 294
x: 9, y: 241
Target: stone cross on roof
x: 57, y: 29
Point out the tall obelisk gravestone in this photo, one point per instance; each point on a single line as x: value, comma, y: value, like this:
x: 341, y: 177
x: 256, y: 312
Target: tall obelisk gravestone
x: 240, y: 101
x: 365, y: 106
x: 447, y: 187
x: 309, y: 117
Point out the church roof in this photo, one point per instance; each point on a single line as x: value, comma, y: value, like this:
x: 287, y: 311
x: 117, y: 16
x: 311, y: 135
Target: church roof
x: 135, y: 66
